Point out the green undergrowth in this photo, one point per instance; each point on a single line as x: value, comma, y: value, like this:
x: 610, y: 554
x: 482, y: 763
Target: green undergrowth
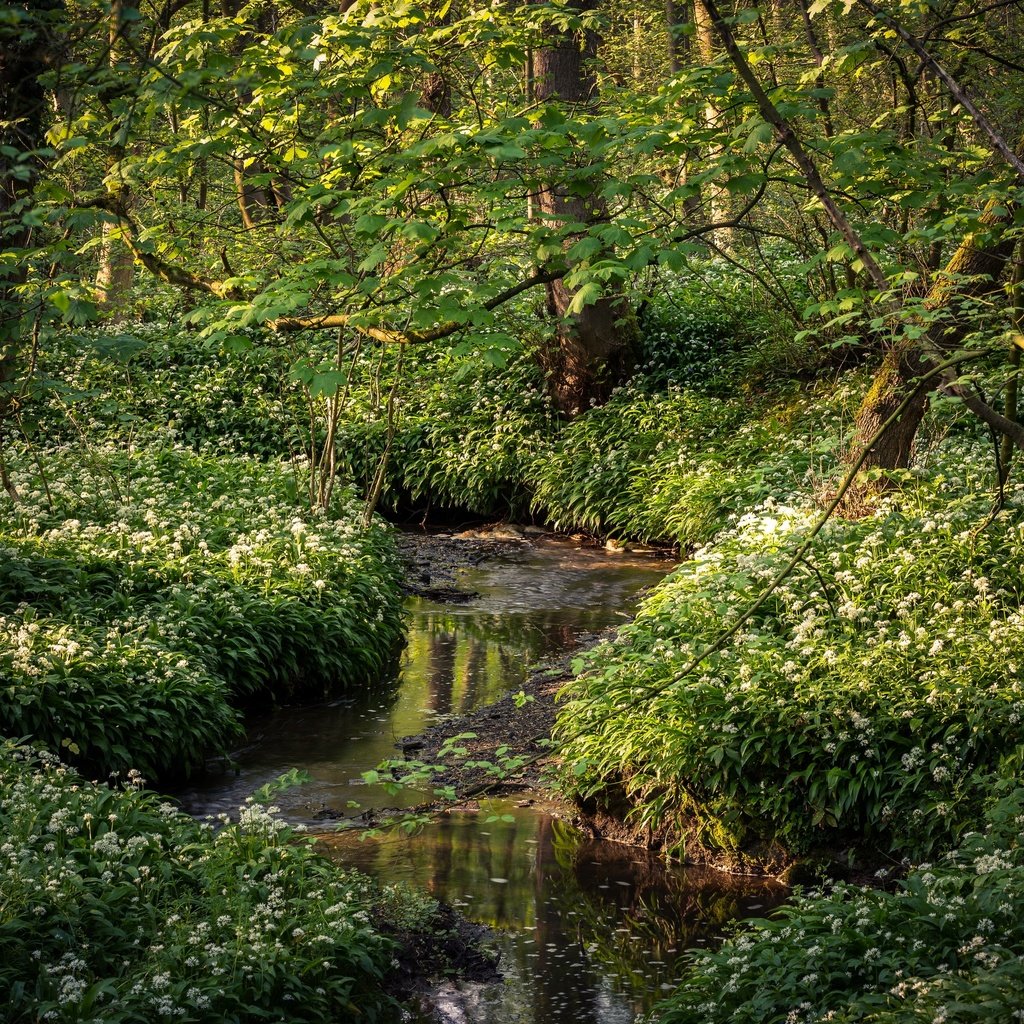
x: 119, y: 908
x: 147, y: 594
x: 869, y: 702
x: 465, y: 432
x: 946, y: 945
x: 154, y: 382
x: 672, y: 465
x: 714, y: 420
x: 463, y: 427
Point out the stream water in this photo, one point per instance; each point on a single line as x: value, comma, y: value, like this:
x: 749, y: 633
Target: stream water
x: 588, y: 931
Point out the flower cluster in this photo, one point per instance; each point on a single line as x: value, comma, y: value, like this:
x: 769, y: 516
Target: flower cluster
x: 947, y: 944
x: 144, y: 593
x: 870, y: 698
x: 119, y: 908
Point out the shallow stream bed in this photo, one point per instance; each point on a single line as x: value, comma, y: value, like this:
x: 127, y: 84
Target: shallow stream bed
x: 588, y: 931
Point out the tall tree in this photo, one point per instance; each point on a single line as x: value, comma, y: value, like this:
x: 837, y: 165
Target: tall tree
x: 116, y: 265
x: 596, y: 341
x: 928, y: 333
x: 29, y: 44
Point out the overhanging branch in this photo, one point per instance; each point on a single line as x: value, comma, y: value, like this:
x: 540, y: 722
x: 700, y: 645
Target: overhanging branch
x: 935, y: 359
x: 160, y: 268
x: 445, y: 330
x: 1000, y: 144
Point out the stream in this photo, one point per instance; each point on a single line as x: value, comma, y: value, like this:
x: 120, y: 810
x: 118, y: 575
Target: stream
x: 588, y: 931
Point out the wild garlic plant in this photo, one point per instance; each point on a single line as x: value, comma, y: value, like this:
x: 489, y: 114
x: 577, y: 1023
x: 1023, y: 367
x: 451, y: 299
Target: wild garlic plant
x: 118, y: 908
x: 946, y: 944
x: 137, y: 622
x: 870, y: 701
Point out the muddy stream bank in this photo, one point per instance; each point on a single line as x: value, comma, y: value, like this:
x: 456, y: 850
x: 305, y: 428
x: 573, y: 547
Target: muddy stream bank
x: 588, y: 932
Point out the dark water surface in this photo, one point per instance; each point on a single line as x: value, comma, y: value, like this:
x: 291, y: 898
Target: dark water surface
x: 588, y: 931
x: 533, y: 603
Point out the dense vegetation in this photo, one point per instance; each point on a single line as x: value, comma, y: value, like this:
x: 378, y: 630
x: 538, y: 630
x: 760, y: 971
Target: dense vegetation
x: 870, y: 701
x: 118, y: 907
x: 148, y: 594
x: 742, y: 281
x: 945, y: 945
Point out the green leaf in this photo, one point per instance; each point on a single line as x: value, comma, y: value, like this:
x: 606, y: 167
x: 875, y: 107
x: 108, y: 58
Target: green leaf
x: 586, y: 295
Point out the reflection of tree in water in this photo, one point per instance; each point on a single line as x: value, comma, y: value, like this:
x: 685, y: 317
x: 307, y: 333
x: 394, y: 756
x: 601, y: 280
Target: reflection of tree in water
x: 470, y: 660
x: 580, y: 920
x: 469, y: 655
x: 635, y: 915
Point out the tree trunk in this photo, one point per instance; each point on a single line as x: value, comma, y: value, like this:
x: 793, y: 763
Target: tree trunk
x: 676, y: 41
x: 901, y: 366
x: 596, y: 347
x: 983, y: 264
x: 26, y: 52
x: 713, y: 195
x: 116, y: 269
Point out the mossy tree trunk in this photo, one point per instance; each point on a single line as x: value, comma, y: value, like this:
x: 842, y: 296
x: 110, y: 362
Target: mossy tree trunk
x: 975, y: 270
x: 116, y: 270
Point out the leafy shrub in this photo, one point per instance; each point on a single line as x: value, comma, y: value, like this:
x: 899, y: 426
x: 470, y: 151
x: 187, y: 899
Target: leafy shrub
x: 465, y: 433
x: 161, y: 383
x: 867, y: 702
x: 672, y: 466
x: 119, y: 908
x: 947, y: 945
x: 135, y: 626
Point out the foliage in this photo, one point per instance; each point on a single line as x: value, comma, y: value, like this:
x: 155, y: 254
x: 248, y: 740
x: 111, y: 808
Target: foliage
x: 117, y: 907
x: 464, y: 435
x: 673, y: 465
x: 665, y: 460
x: 946, y: 945
x: 464, y: 423
x: 146, y: 593
x: 867, y: 702
x: 153, y: 381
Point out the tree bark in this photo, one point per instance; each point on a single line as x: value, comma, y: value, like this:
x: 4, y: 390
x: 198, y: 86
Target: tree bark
x: 713, y: 195
x: 26, y: 52
x: 116, y: 269
x: 676, y: 42
x: 982, y: 264
x: 596, y: 347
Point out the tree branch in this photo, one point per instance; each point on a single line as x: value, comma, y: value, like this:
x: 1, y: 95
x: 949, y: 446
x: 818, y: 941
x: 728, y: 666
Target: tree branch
x: 450, y: 327
x: 935, y: 360
x: 160, y: 268
x: 785, y: 134
x: 956, y: 91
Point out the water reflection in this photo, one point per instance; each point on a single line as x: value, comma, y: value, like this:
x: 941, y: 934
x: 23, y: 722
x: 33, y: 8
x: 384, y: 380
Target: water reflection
x: 589, y: 932
x: 532, y: 603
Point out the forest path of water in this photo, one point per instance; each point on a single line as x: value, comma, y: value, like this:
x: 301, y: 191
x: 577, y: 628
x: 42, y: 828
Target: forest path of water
x: 588, y: 932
